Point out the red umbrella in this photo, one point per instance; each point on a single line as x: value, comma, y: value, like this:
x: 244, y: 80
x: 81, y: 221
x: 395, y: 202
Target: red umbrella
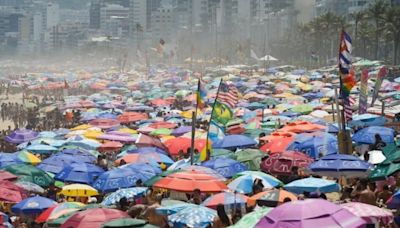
x: 11, y: 192
x: 158, y: 125
x: 187, y: 181
x: 104, y: 123
x: 93, y: 218
x: 128, y: 117
x: 87, y: 104
x: 302, y: 126
x: 147, y: 141
x: 4, y: 175
x: 277, y: 142
x: 282, y: 163
x: 183, y: 144
x: 160, y: 102
x: 111, y: 146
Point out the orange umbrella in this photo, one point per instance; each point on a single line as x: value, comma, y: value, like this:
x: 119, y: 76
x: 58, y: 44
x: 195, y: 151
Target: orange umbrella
x: 302, y: 126
x: 167, y: 125
x: 187, y: 181
x: 277, y: 141
x: 147, y: 141
x: 111, y: 146
x: 160, y: 102
x: 128, y: 117
x: 271, y: 198
x: 183, y: 144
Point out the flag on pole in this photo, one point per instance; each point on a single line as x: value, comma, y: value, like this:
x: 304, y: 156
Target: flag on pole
x: 349, y: 102
x: 347, y: 80
x: 228, y: 94
x: 201, y: 95
x: 363, y: 92
x: 381, y: 74
x: 221, y: 113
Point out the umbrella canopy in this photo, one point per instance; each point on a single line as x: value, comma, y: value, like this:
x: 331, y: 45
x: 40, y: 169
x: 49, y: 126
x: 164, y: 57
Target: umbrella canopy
x: 394, y: 201
x: 367, y: 135
x: 282, y: 163
x: 225, y: 198
x: 30, y: 187
x: 127, y: 222
x: 94, y: 218
x: 225, y: 166
x: 189, y: 180
x: 104, y: 123
x: 21, y: 136
x: 234, y: 141
x: 59, y: 210
x: 371, y: 214
x: 32, y: 205
x: 244, y: 182
x: 4, y: 175
x: 252, y: 218
x: 27, y: 157
x: 312, y: 184
x: 128, y: 193
x: 41, y: 149
x: 193, y: 216
x: 79, y: 173
x: 336, y: 165
x: 31, y: 174
x: 182, y: 145
x: 277, y: 141
x: 250, y: 158
x: 271, y: 198
x: 9, y: 192
x: 315, y: 145
x: 78, y: 190
x: 310, y: 213
x: 146, y: 157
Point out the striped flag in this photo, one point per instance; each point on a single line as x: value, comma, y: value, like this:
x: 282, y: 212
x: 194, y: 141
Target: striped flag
x: 228, y: 94
x: 349, y: 102
x: 201, y: 95
x: 347, y: 78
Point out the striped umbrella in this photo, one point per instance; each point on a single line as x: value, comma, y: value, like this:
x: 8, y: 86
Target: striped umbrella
x: 59, y: 210
x: 225, y: 198
x: 194, y: 216
x: 128, y: 193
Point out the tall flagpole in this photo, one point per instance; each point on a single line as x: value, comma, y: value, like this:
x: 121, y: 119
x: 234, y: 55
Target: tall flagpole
x: 194, y: 119
x: 209, y: 123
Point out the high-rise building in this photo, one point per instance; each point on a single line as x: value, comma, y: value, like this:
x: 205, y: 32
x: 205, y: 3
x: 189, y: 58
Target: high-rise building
x: 94, y: 14
x: 339, y: 7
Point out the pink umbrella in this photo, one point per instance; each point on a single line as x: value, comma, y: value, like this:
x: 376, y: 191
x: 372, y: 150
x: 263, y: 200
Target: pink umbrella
x: 371, y: 214
x: 93, y: 218
x: 119, y: 138
x: 104, y: 123
x: 147, y: 141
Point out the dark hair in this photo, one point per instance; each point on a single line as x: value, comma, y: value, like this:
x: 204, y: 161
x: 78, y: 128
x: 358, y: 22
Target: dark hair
x: 222, y: 215
x: 385, y: 187
x: 323, y: 196
x: 287, y: 199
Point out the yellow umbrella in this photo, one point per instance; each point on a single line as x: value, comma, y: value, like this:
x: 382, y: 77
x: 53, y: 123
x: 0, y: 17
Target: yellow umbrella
x: 128, y: 130
x: 28, y: 157
x: 283, y: 95
x: 81, y: 190
x: 81, y: 127
x: 92, y: 134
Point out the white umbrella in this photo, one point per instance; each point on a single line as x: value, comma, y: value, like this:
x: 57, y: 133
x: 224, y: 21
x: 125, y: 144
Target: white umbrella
x: 268, y: 58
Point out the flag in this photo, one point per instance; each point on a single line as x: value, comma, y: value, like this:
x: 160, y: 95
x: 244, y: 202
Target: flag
x: 204, y: 153
x: 363, y: 92
x: 348, y: 103
x: 221, y: 113
x: 228, y: 94
x: 216, y: 132
x: 381, y: 74
x: 201, y: 95
x: 347, y: 81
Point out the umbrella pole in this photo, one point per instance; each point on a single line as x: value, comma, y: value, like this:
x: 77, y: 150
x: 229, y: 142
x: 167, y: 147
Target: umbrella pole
x: 194, y: 116
x: 337, y: 108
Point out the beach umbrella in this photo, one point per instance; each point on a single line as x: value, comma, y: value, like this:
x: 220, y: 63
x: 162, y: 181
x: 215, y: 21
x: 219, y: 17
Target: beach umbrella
x: 31, y: 174
x: 111, y: 146
x: 277, y: 142
x: 366, y: 120
x: 171, y: 208
x: 57, y: 162
x: 189, y: 180
x: 85, y: 173
x: 41, y: 149
x: 250, y: 158
x: 118, y: 178
x: 181, y: 130
x: 79, y: 190
x: 215, y: 153
x: 310, y: 213
x: 337, y: 165
x: 58, y: 210
x: 159, y: 125
x: 150, y: 182
x: 32, y: 205
x: 225, y: 166
x: 119, y: 138
x: 30, y: 187
x: 93, y: 217
x: 21, y: 135
x: 80, y: 142
x: 301, y: 127
x: 244, y: 182
x: 148, y: 141
x: 227, y: 199
x: 282, y: 163
x: 271, y: 198
x: 312, y: 184
x: 26, y: 157
x: 4, y: 218
x: 302, y: 108
x: 234, y: 141
x: 147, y: 149
x: 146, y: 157
x: 181, y: 144
x: 8, y: 159
x: 80, y: 127
x: 149, y: 169
x: 193, y: 216
x: 161, y: 131
x: 4, y: 175
x: 251, y: 219
x: 11, y: 193
x: 128, y: 193
x: 315, y: 145
x: 369, y: 213
x: 367, y: 135
x: 127, y: 222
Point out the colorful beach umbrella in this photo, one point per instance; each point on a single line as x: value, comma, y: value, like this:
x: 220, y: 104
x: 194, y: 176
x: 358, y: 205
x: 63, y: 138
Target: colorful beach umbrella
x: 128, y: 193
x: 21, y: 135
x: 244, y: 182
x: 58, y: 210
x: 94, y: 217
x: 371, y: 214
x: 32, y: 205
x: 227, y: 199
x: 271, y: 198
x: 282, y: 163
x: 79, y: 190
x: 194, y: 216
x: 312, y: 184
x: 225, y: 166
x: 84, y: 173
x: 31, y: 174
x: 367, y: 135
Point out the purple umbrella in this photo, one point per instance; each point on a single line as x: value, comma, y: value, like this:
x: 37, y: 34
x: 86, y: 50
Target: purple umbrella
x: 310, y: 213
x: 119, y: 138
x: 181, y: 130
x: 21, y: 135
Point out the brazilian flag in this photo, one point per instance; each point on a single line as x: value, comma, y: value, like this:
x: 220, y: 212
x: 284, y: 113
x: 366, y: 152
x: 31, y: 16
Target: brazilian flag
x: 221, y: 113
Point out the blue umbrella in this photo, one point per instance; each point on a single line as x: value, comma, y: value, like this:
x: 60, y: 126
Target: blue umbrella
x: 367, y: 135
x: 147, y: 149
x: 21, y: 135
x: 8, y: 159
x: 179, y: 164
x: 312, y: 184
x: 244, y: 183
x: 41, y: 149
x: 32, y: 205
x: 79, y: 173
x: 83, y: 143
x: 315, y: 144
x: 58, y: 162
x: 118, y: 178
x: 336, y: 165
x: 151, y: 169
x: 47, y: 134
x: 225, y: 166
x: 394, y: 201
x: 79, y: 154
x: 181, y: 130
x: 128, y: 193
x: 365, y: 120
x: 193, y: 216
x: 234, y: 141
x: 172, y: 209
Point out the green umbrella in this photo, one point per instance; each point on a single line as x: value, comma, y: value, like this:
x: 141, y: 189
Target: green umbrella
x: 156, y: 178
x: 250, y: 157
x: 60, y: 220
x: 302, y: 108
x: 127, y: 222
x: 182, y: 93
x: 389, y: 166
x: 31, y: 174
x: 222, y: 153
x: 161, y: 131
x: 269, y: 101
x: 251, y: 219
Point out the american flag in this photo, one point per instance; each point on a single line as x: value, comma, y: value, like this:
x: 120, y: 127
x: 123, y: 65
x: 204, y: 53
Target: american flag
x: 228, y: 94
x: 349, y: 102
